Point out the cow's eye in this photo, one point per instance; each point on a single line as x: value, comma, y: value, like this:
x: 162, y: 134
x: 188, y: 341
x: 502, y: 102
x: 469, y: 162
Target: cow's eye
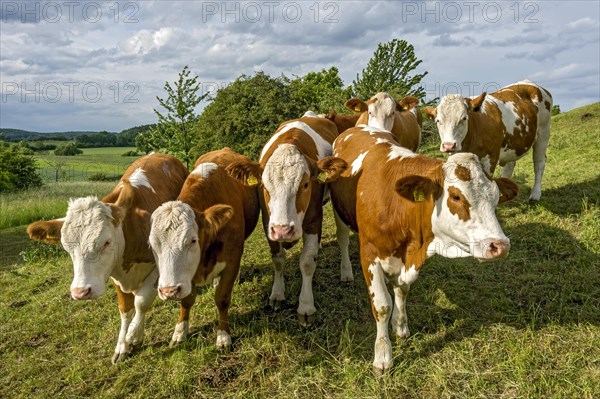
x: 305, y: 185
x: 455, y: 198
x: 194, y: 241
x: 438, y: 121
x: 106, y: 244
x: 464, y: 118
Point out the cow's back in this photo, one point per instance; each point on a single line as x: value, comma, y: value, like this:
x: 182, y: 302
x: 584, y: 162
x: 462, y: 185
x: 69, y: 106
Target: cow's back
x: 220, y: 188
x: 406, y: 128
x: 154, y: 179
x: 519, y: 110
x: 313, y: 136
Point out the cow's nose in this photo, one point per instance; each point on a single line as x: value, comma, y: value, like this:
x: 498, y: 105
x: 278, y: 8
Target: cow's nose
x: 282, y: 232
x: 449, y: 147
x: 81, y: 293
x: 497, y: 249
x: 172, y: 292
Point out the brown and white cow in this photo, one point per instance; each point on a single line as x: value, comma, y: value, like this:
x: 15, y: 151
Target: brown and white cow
x: 109, y: 238
x: 406, y: 208
x: 406, y: 123
x: 200, y: 237
x: 293, y: 168
x: 499, y: 127
x: 343, y: 122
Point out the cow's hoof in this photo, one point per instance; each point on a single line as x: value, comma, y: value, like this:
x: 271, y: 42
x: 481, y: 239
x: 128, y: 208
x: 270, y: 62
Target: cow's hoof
x: 277, y: 304
x: 174, y: 343
x: 118, y: 357
x: 306, y: 320
x: 380, y: 373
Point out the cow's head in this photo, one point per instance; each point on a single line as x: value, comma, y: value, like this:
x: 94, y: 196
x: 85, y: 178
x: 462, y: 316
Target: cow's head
x: 463, y: 221
x: 381, y: 108
x: 288, y: 180
x: 92, y: 234
x: 452, y: 119
x: 182, y: 238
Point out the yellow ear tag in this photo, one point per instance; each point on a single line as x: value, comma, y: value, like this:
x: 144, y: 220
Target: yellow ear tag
x: 322, y: 177
x: 51, y: 237
x: 418, y: 195
x: 252, y: 181
x: 357, y: 108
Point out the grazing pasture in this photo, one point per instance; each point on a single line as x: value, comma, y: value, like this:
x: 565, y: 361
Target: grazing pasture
x: 524, y: 327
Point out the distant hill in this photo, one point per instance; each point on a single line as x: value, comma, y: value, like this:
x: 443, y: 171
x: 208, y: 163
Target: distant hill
x: 18, y: 134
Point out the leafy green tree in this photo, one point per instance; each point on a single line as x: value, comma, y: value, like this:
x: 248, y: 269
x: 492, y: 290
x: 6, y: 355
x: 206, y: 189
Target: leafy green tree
x: 17, y: 170
x: 175, y: 130
x: 555, y: 110
x: 320, y: 91
x: 391, y: 70
x: 245, y: 113
x: 69, y: 149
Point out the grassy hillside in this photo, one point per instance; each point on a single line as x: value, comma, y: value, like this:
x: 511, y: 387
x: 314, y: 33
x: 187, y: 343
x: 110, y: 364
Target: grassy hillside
x: 524, y: 327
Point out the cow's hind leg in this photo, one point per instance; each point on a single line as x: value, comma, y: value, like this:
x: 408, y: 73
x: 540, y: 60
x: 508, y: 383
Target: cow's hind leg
x: 342, y: 233
x: 183, y: 322
x: 126, y: 304
x: 308, y: 264
x: 381, y: 304
x: 507, y: 169
x: 539, y: 159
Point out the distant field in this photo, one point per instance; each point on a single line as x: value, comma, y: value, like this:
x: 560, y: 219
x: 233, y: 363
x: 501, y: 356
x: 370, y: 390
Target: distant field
x: 78, y: 168
x: 527, y: 326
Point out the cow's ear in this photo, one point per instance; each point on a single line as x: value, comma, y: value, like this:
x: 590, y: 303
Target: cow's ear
x: 46, y: 231
x: 508, y: 189
x: 328, y: 169
x: 407, y: 103
x: 246, y: 172
x: 356, y: 105
x: 431, y: 112
x: 331, y: 115
x: 216, y: 217
x: 475, y: 103
x: 118, y: 213
x: 416, y: 188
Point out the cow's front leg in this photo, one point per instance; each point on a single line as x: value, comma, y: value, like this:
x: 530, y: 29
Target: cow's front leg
x: 223, y: 300
x: 144, y: 297
x: 308, y: 258
x: 278, y: 291
x: 125, y: 302
x: 399, y: 318
x: 508, y: 169
x: 381, y: 304
x: 183, y: 321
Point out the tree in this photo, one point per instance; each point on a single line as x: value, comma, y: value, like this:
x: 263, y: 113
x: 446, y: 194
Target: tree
x: 320, y: 91
x: 555, y: 110
x: 245, y: 113
x: 69, y: 149
x: 390, y: 70
x: 174, y: 131
x: 17, y: 170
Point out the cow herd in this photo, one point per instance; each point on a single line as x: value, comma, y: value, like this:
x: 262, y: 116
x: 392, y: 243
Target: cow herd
x: 163, y: 230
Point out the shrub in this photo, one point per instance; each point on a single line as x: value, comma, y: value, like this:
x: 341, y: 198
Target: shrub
x: 131, y: 153
x: 68, y: 149
x: 101, y: 176
x: 17, y: 170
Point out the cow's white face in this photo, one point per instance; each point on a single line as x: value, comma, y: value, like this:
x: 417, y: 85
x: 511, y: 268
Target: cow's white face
x: 287, y: 190
x: 452, y: 121
x: 381, y: 108
x: 93, y: 235
x: 176, y: 246
x: 464, y: 220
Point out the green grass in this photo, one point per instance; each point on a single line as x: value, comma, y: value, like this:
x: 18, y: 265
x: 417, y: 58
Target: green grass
x: 524, y: 327
x: 78, y: 168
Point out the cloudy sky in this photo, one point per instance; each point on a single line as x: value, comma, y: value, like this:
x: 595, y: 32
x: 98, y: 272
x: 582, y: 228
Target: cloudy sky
x: 93, y: 65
